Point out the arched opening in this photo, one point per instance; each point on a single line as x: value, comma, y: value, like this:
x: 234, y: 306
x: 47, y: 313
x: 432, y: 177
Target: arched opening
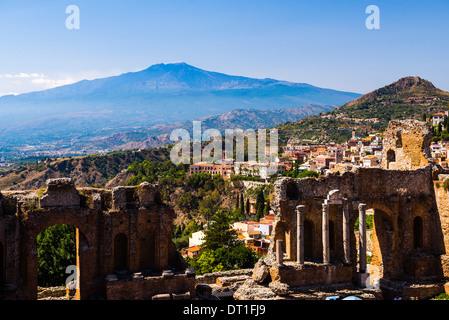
x: 120, y: 252
x: 417, y: 233
x: 308, y: 239
x: 379, y: 239
x: 292, y: 191
x: 57, y: 261
x: 391, y: 157
x: 147, y: 250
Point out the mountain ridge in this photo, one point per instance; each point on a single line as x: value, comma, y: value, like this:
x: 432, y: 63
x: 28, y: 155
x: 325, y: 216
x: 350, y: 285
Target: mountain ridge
x: 159, y: 94
x: 409, y: 97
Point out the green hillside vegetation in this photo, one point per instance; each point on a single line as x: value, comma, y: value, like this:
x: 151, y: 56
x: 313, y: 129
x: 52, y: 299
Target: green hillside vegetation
x: 221, y: 250
x: 407, y: 98
x: 86, y: 171
x: 56, y: 251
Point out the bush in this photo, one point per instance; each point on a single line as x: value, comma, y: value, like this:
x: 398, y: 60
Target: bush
x: 441, y: 296
x: 56, y: 251
x: 446, y: 184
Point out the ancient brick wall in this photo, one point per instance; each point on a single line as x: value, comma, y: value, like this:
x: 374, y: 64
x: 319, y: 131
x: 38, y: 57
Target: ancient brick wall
x: 126, y: 230
x: 406, y: 145
x: 404, y: 205
x: 147, y: 287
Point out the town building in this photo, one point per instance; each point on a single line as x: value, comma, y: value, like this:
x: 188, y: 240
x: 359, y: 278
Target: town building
x: 438, y: 118
x: 196, y: 238
x: 225, y: 170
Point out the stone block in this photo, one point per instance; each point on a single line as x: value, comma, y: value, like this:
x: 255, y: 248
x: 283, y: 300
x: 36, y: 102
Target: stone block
x: 162, y: 296
x: 261, y: 271
x: 167, y: 274
x: 227, y: 281
x: 123, y: 198
x: 203, y: 290
x: 147, y: 194
x: 190, y: 272
x: 181, y: 296
x: 279, y: 288
x: 60, y: 193
x: 361, y: 279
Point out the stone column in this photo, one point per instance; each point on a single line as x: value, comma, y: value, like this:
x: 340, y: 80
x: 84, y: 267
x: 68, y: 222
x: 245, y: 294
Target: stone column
x: 346, y: 234
x: 325, y: 230
x: 362, y: 237
x: 300, y: 234
x: 279, y: 253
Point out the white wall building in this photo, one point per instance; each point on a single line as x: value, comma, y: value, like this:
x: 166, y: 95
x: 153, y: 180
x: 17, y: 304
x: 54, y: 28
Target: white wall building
x: 196, y: 239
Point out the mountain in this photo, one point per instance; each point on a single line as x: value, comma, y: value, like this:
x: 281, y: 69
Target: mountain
x: 159, y: 135
x: 160, y: 94
x: 407, y: 98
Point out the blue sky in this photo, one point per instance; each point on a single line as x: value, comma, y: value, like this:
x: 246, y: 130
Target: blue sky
x: 324, y: 43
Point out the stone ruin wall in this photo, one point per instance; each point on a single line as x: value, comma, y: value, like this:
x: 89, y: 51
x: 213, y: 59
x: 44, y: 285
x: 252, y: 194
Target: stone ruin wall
x: 398, y: 198
x: 135, y: 215
x: 409, y: 143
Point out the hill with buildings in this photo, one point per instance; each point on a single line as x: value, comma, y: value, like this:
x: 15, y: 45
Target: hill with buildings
x: 407, y: 98
x: 159, y: 135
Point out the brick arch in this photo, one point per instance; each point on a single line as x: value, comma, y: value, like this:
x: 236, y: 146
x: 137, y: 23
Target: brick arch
x: 383, y: 240
x: 292, y: 191
x: 83, y: 243
x: 65, y: 218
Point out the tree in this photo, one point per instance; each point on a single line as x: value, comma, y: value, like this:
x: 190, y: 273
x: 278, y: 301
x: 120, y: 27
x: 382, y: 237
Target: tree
x: 187, y: 202
x: 205, y: 262
x: 218, y: 233
x: 56, y: 251
x: 260, y: 204
x: 210, y: 204
x: 242, y: 205
x: 247, y: 207
x: 221, y: 250
x: 267, y: 208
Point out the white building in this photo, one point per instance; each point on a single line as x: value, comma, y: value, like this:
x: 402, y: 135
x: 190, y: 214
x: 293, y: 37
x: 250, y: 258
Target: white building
x: 196, y: 239
x: 370, y: 161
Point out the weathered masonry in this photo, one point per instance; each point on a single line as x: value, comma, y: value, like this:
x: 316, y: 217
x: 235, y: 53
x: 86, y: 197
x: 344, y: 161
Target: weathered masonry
x: 313, y: 240
x: 123, y: 241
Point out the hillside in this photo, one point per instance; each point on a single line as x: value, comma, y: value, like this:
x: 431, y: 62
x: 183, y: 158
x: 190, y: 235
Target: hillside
x: 87, y: 171
x: 159, y: 135
x: 161, y: 94
x: 407, y: 98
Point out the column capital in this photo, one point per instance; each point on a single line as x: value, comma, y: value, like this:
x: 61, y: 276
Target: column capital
x: 300, y: 207
x: 362, y: 206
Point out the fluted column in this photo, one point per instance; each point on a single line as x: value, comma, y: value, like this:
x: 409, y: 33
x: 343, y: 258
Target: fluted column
x: 362, y: 237
x: 346, y: 234
x: 325, y: 231
x: 300, y: 234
